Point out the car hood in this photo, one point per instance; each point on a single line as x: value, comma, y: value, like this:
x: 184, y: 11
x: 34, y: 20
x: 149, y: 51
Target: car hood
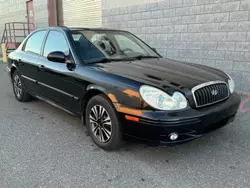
x: 164, y: 72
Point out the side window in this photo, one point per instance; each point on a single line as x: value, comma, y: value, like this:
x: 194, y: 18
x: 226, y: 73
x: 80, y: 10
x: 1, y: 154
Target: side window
x: 55, y: 42
x: 86, y: 50
x: 34, y: 43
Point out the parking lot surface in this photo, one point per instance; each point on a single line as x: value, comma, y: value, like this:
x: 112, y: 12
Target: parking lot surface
x: 42, y: 146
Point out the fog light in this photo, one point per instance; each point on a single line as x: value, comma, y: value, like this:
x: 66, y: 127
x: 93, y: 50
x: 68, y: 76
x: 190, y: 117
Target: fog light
x: 173, y: 136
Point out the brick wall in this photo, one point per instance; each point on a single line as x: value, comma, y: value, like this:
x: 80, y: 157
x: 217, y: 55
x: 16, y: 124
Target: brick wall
x: 107, y: 4
x: 215, y: 33
x: 12, y: 11
x: 15, y: 11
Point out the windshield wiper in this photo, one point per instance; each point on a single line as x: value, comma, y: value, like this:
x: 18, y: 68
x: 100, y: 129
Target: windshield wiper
x: 102, y: 60
x: 145, y: 57
x: 108, y: 60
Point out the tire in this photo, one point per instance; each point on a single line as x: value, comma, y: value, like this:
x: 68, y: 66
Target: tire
x: 106, y: 134
x: 19, y: 89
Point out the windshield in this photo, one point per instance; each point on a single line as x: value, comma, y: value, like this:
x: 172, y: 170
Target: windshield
x: 113, y: 45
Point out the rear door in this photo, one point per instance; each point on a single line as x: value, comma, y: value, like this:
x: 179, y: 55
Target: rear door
x: 56, y: 82
x: 27, y: 64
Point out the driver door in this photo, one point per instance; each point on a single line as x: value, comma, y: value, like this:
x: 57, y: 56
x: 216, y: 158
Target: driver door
x: 56, y: 81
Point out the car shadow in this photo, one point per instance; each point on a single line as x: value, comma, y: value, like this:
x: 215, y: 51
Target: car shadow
x: 209, y: 143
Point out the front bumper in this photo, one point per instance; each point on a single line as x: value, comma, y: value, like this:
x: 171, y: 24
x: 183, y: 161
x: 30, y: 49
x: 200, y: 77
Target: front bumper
x: 156, y: 126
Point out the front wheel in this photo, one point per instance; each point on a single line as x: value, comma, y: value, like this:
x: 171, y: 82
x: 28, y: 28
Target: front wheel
x: 103, y: 124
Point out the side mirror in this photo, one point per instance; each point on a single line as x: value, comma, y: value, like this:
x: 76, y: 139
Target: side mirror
x: 57, y: 57
x: 154, y: 50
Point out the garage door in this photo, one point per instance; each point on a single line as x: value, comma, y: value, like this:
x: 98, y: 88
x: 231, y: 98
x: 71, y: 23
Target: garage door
x: 85, y: 13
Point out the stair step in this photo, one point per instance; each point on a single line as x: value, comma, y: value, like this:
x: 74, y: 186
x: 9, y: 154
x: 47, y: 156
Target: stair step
x: 9, y: 51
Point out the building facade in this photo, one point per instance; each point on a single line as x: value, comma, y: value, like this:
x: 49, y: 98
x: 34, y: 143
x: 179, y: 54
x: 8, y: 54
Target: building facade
x: 86, y: 13
x: 16, y: 11
x: 215, y: 33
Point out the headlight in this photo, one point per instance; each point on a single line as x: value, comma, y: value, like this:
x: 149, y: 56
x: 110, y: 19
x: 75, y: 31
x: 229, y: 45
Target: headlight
x: 161, y: 100
x: 231, y: 84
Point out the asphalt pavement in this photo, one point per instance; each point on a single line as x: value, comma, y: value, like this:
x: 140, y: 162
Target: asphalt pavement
x: 42, y: 146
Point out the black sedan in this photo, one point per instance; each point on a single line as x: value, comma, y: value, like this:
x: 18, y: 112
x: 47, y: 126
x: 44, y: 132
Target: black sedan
x: 120, y: 86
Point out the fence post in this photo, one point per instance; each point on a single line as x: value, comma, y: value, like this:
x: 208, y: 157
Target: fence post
x: 4, y: 53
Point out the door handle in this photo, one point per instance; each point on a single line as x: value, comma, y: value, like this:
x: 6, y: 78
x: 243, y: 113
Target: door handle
x: 20, y: 62
x: 42, y: 67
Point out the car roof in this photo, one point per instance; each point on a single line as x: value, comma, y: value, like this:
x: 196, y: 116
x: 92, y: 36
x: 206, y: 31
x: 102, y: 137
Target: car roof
x: 94, y: 29
x: 80, y: 28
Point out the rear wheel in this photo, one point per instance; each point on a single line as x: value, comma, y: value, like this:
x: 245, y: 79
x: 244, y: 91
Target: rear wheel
x: 19, y: 88
x: 103, y: 124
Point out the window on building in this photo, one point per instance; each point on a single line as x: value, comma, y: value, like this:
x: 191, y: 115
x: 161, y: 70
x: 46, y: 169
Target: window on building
x: 35, y: 41
x: 55, y: 42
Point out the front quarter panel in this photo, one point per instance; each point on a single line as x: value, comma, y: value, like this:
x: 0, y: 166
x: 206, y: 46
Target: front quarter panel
x: 122, y: 92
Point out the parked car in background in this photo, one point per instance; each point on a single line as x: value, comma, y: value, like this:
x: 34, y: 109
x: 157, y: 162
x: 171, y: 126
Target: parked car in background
x: 120, y: 86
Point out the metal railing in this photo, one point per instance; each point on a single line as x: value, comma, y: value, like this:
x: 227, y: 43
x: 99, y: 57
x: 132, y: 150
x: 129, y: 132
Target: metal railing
x: 15, y: 32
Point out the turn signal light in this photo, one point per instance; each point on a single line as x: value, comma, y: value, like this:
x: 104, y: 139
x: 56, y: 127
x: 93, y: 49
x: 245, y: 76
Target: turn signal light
x: 131, y: 118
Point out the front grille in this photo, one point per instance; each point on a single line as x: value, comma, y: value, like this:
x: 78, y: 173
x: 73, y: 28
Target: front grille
x: 210, y: 93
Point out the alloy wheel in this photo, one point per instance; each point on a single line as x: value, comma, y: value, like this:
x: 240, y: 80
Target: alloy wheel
x: 17, y: 86
x: 100, y: 123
